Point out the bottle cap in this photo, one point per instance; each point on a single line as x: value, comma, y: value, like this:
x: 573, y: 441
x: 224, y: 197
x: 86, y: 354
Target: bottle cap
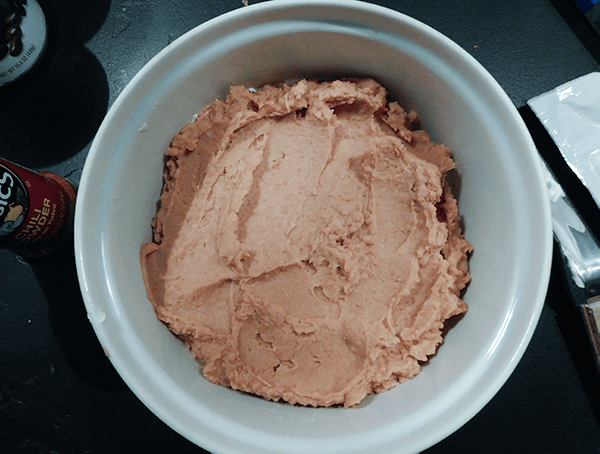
x: 23, y: 36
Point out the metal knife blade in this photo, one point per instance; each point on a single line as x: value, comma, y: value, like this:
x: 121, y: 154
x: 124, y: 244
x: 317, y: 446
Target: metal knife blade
x: 582, y: 253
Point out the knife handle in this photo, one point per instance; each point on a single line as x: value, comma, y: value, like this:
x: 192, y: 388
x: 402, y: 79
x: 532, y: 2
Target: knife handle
x: 591, y: 315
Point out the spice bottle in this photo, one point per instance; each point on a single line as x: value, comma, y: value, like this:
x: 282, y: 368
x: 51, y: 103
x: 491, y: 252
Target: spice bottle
x: 23, y: 37
x: 36, y: 210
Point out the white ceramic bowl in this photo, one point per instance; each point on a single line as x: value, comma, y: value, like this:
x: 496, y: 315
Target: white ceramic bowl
x: 502, y: 199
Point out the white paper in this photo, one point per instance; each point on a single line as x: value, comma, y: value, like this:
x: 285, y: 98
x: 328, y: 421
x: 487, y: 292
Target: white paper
x: 571, y: 115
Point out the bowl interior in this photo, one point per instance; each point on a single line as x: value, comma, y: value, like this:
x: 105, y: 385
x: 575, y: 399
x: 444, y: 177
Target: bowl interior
x: 501, y: 198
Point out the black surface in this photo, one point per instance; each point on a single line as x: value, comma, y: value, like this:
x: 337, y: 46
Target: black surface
x: 60, y: 394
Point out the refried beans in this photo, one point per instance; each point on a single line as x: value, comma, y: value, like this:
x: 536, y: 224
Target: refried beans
x: 307, y: 247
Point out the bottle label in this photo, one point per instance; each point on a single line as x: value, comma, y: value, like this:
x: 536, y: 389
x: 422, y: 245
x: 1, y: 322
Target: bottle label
x: 14, y: 201
x: 34, y: 209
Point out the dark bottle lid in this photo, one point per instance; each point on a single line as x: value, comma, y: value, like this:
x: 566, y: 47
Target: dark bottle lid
x: 23, y: 37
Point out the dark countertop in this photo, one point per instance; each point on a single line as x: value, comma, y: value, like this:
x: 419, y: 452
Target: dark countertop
x: 60, y: 394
